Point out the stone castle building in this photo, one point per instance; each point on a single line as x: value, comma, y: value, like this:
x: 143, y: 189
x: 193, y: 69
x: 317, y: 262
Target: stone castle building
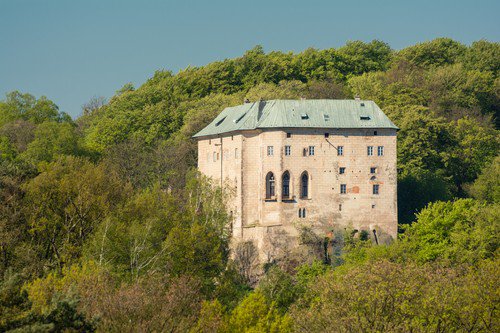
x: 319, y: 163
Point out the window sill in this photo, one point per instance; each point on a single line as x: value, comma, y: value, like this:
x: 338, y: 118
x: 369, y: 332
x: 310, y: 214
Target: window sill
x: 270, y: 200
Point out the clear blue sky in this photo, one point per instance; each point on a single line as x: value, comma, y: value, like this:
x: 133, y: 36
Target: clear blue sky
x: 72, y: 50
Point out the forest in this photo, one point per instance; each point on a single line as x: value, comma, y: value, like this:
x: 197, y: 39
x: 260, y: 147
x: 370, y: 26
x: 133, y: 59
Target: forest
x: 105, y: 224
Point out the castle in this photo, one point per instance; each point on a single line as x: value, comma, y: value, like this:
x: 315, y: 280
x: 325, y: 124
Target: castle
x: 316, y: 163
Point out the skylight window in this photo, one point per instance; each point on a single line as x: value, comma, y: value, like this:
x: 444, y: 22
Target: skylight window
x: 220, y: 121
x: 304, y: 116
x: 326, y: 117
x: 364, y: 117
x: 239, y: 118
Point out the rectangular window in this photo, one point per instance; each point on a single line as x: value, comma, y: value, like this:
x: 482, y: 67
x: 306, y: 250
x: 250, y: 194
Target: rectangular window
x: 215, y: 156
x: 311, y: 150
x: 236, y: 153
x: 270, y: 150
x: 380, y: 151
x: 327, y: 135
x: 340, y: 207
x: 341, y: 170
x: 343, y: 189
x: 373, y: 170
x: 288, y: 135
x: 340, y: 150
x: 375, y: 189
x: 370, y: 150
x: 288, y: 150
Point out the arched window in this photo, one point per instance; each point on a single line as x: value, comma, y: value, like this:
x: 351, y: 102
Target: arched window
x: 304, y: 185
x: 270, y: 186
x: 286, y: 185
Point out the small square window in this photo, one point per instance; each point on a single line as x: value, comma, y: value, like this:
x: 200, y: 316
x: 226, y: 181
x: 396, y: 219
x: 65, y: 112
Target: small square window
x: 341, y: 170
x: 311, y: 150
x: 373, y: 206
x: 369, y: 150
x: 380, y: 151
x: 288, y: 150
x: 270, y: 150
x: 375, y: 189
x: 373, y: 170
x: 375, y: 133
x: 288, y: 135
x: 327, y: 135
x: 340, y: 150
x: 343, y: 189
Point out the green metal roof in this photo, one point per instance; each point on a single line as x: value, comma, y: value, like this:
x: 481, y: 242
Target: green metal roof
x: 310, y: 113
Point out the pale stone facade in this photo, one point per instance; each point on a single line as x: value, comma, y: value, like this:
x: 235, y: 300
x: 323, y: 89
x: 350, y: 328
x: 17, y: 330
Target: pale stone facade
x: 242, y: 159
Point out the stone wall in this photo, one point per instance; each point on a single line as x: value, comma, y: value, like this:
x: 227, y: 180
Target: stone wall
x: 255, y: 218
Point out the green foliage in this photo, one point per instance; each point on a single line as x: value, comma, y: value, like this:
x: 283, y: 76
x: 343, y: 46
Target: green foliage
x: 51, y: 141
x: 25, y: 106
x: 438, y: 52
x: 484, y: 56
x: 417, y: 188
x: 460, y: 231
x: 256, y: 314
x: 277, y: 286
x: 66, y: 202
x: 389, y: 297
x: 487, y: 187
x: 136, y: 240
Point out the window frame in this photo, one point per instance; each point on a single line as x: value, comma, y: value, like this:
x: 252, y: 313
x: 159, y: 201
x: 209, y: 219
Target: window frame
x: 380, y: 151
x: 341, y: 170
x: 343, y: 188
x: 376, y: 189
x: 270, y: 150
x: 288, y: 150
x: 340, y: 150
x: 304, y: 184
x: 270, y: 186
x: 369, y: 150
x: 285, y: 185
x: 311, y: 150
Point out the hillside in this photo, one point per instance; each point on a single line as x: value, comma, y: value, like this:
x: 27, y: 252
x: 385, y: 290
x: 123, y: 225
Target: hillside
x: 105, y: 225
